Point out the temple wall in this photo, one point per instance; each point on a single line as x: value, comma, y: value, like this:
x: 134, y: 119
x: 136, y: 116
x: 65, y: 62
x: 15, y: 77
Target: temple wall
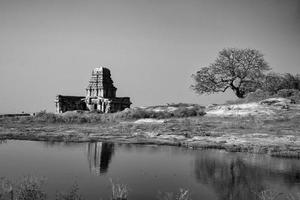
x: 69, y: 103
x: 107, y: 105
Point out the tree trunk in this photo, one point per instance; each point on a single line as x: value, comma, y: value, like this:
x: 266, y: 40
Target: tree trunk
x: 239, y: 93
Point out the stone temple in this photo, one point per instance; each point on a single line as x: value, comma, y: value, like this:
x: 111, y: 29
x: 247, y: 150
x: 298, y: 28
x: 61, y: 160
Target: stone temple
x: 100, y: 96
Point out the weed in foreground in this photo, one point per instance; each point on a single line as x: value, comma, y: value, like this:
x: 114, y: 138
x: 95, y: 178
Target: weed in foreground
x: 183, y: 194
x: 6, y: 187
x: 73, y: 194
x: 30, y: 188
x: 119, y: 191
x: 273, y: 195
x: 27, y: 188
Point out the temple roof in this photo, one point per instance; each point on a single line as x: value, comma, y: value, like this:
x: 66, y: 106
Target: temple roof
x: 101, y: 78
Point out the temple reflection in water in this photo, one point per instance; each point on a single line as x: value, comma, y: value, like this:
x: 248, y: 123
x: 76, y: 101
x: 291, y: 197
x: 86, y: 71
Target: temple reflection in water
x: 99, y: 156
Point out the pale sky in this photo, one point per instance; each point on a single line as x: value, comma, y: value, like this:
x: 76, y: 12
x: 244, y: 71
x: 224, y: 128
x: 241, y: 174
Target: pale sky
x: 152, y: 47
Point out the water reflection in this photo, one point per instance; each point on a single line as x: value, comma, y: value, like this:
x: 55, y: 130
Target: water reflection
x: 240, y: 178
x: 3, y: 141
x: 99, y: 156
x: 148, y: 169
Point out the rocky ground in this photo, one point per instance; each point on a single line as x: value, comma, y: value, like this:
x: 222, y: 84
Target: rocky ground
x: 270, y: 126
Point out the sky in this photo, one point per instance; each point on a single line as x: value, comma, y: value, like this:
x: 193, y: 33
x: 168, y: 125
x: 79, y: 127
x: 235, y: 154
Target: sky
x: 152, y: 47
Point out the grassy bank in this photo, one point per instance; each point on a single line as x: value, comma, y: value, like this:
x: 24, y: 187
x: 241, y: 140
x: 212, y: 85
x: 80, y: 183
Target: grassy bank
x: 275, y: 131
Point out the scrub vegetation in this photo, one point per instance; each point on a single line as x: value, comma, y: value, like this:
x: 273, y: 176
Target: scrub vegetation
x: 32, y: 188
x: 156, y: 112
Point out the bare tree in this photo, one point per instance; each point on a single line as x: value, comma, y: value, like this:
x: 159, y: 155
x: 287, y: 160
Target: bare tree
x: 241, y: 70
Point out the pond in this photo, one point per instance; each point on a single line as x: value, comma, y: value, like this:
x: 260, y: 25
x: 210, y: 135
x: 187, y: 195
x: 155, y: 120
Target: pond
x: 146, y: 170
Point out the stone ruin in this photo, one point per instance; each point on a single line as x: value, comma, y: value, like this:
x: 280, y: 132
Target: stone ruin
x: 100, y: 96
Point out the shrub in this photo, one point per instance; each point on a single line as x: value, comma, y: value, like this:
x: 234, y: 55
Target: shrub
x: 181, y: 104
x: 288, y: 93
x: 182, y: 110
x: 44, y: 116
x: 292, y: 94
x: 140, y: 113
x: 258, y: 95
x: 291, y: 81
x: 276, y: 82
x: 136, y: 113
x: 30, y: 188
x: 273, y: 82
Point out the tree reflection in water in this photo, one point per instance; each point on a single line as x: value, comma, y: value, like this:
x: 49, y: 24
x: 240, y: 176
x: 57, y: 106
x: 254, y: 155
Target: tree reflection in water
x: 235, y: 178
x: 99, y: 156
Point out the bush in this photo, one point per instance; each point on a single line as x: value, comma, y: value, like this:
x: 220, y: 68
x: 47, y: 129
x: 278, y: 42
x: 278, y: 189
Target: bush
x: 30, y: 188
x: 276, y: 82
x: 258, y: 95
x: 181, y: 104
x: 292, y: 94
x: 273, y: 82
x: 291, y: 81
x: 285, y: 93
x: 182, y: 110
x: 44, y: 116
x: 27, y: 188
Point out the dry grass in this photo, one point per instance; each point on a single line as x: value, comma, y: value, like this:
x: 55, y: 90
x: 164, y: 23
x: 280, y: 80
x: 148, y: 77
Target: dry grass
x: 92, y: 117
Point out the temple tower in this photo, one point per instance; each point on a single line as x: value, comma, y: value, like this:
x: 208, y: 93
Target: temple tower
x: 101, y: 93
x: 101, y: 84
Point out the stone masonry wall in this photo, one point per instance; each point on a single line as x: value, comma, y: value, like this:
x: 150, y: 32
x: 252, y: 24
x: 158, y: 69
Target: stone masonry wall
x: 69, y: 103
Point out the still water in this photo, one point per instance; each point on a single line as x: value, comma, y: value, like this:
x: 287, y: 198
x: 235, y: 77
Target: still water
x: 208, y: 174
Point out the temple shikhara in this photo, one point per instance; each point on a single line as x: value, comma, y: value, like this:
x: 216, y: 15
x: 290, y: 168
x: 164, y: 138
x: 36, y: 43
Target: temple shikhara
x: 100, y: 96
